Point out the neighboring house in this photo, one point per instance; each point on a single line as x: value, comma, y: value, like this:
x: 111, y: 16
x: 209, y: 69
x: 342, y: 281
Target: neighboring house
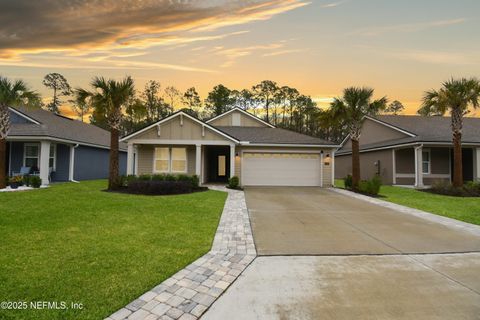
x: 59, y: 148
x: 411, y: 150
x: 235, y: 143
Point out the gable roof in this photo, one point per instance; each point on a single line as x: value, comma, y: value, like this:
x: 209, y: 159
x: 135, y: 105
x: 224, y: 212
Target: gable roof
x: 272, y: 136
x: 422, y: 129
x: 243, y: 112
x: 46, y: 124
x: 170, y: 117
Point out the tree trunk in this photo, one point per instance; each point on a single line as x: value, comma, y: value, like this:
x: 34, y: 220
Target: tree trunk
x: 457, y: 160
x: 3, y: 164
x: 355, y: 164
x: 113, y: 176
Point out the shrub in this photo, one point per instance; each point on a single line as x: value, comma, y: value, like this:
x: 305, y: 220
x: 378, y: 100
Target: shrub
x: 160, y: 187
x: 348, y: 181
x: 195, y: 181
x: 170, y: 177
x: 470, y: 189
x: 233, y: 182
x: 371, y: 187
x: 158, y: 177
x: 26, y: 180
x: 144, y: 177
x: 16, y: 180
x: 35, y: 181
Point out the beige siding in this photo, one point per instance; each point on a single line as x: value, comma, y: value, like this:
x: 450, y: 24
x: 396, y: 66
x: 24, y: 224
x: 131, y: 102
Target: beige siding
x: 146, y: 153
x: 375, y: 132
x: 327, y: 170
x: 343, y: 165
x: 174, y: 130
x: 245, y: 121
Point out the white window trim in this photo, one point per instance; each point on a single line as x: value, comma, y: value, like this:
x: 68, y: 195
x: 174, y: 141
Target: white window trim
x: 429, y: 161
x: 169, y: 161
x: 54, y: 146
x: 25, y: 145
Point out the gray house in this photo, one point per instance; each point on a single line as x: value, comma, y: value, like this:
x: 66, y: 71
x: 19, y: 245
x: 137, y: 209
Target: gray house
x: 58, y: 148
x: 411, y: 150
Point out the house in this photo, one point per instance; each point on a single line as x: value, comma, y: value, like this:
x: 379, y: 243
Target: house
x: 411, y: 150
x: 235, y: 143
x: 59, y: 148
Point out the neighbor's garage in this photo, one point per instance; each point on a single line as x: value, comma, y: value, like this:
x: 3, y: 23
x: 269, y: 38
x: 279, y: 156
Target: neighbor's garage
x: 281, y: 169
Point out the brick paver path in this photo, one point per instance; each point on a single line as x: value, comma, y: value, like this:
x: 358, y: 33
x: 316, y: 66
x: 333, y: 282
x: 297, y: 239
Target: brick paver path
x: 191, y: 291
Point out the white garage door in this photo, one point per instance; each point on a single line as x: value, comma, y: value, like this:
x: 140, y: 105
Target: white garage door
x: 280, y: 169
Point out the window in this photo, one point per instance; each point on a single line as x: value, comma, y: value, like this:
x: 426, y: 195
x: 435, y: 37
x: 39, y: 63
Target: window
x: 426, y: 161
x: 52, y: 162
x: 170, y: 160
x: 179, y: 160
x: 162, y: 160
x: 31, y: 155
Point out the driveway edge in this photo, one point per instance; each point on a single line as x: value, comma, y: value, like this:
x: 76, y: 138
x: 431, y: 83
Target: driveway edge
x: 449, y: 222
x: 191, y: 291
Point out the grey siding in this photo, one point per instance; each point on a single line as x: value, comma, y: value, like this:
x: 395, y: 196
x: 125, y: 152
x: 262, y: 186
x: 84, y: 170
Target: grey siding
x: 92, y: 163
x: 343, y: 165
x: 63, y: 163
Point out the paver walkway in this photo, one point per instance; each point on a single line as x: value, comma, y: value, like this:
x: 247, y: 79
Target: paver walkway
x: 191, y: 291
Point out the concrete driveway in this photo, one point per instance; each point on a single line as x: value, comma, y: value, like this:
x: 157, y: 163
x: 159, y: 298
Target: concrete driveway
x: 314, y: 221
x: 351, y: 260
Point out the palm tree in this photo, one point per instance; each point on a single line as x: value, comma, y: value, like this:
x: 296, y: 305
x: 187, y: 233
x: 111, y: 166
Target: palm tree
x: 352, y: 108
x: 455, y: 96
x: 12, y: 93
x: 107, y: 98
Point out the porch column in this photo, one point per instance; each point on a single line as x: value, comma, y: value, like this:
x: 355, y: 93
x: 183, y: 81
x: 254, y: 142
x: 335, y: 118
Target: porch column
x: 130, y: 159
x: 321, y: 169
x: 71, y: 168
x: 198, y: 160
x: 418, y: 167
x: 44, y: 161
x: 394, y: 168
x: 232, y: 160
x: 476, y: 164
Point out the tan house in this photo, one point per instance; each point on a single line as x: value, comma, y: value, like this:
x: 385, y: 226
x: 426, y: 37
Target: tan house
x: 411, y: 150
x: 235, y: 143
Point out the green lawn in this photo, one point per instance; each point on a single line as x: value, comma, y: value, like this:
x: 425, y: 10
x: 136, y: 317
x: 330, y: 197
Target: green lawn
x: 464, y: 209
x: 76, y: 243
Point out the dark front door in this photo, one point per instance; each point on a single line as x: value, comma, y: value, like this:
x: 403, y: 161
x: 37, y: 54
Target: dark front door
x: 218, y: 163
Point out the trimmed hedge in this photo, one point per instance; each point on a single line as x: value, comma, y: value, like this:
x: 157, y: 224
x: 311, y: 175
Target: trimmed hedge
x: 233, y: 182
x: 160, y: 184
x: 470, y: 189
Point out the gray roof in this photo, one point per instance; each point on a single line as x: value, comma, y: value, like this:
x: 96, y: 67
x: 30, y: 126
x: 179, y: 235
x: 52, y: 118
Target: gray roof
x: 434, y: 129
x: 57, y: 126
x: 266, y: 135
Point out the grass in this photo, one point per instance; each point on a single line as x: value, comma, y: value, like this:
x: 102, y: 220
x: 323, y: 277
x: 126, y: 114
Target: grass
x: 464, y: 209
x: 76, y: 243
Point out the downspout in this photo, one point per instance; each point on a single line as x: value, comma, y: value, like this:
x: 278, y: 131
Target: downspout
x: 72, y: 164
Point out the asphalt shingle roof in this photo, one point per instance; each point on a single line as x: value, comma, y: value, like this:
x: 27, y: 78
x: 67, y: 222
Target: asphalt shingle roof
x: 260, y: 135
x: 56, y: 126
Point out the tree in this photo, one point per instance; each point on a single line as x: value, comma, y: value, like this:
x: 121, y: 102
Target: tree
x: 265, y: 93
x: 244, y: 99
x: 352, y: 108
x: 108, y: 97
x: 135, y: 115
x: 456, y: 96
x: 12, y: 93
x: 80, y: 105
x: 155, y: 105
x: 395, y: 108
x: 173, y: 95
x: 219, y: 100
x: 60, y: 87
x: 191, y: 100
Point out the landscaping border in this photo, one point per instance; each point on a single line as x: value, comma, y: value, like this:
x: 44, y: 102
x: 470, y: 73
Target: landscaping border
x: 191, y: 291
x: 449, y: 222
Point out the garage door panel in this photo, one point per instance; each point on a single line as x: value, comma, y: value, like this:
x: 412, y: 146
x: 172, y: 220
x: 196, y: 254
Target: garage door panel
x: 281, y: 169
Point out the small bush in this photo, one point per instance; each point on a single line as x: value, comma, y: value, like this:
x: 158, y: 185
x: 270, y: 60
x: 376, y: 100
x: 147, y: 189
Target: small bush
x: 195, y: 181
x: 470, y: 189
x: 158, y: 177
x: 160, y: 187
x: 26, y: 180
x: 370, y: 187
x: 348, y: 181
x: 35, y: 181
x: 233, y: 182
x: 144, y: 177
x: 170, y: 177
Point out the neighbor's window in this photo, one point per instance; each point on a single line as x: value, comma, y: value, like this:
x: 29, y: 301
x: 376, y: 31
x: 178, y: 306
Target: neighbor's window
x: 52, y: 163
x: 31, y: 155
x: 162, y: 160
x: 426, y: 161
x: 179, y: 160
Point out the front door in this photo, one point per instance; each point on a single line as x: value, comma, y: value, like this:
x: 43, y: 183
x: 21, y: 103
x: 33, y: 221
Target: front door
x: 218, y: 163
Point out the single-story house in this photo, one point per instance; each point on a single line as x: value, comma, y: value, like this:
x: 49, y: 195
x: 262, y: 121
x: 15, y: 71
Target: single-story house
x: 235, y: 143
x: 58, y: 148
x: 411, y: 150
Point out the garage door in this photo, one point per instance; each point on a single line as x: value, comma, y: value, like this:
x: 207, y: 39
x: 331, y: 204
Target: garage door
x: 280, y: 169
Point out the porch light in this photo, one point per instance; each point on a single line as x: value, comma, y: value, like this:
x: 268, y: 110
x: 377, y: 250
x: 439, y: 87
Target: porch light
x: 327, y: 159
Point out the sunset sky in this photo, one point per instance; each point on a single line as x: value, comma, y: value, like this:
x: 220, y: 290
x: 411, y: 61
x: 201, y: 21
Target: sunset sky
x: 400, y: 48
